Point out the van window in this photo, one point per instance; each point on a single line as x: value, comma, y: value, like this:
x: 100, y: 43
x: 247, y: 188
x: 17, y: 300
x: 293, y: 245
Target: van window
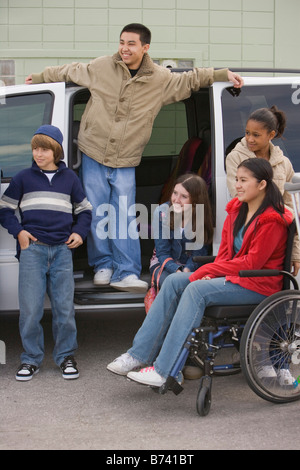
x: 20, y: 116
x: 236, y: 110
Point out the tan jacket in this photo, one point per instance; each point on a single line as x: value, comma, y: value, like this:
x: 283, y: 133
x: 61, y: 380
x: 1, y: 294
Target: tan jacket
x: 118, y: 119
x: 282, y: 172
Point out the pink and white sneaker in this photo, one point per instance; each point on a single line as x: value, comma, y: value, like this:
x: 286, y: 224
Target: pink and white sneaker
x: 147, y: 376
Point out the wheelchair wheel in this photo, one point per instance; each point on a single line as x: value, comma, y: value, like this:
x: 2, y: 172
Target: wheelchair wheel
x: 204, y: 396
x: 270, y: 348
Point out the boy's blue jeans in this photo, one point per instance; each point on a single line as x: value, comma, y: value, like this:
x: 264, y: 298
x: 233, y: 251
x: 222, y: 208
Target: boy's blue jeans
x: 177, y: 309
x: 45, y: 268
x: 109, y: 244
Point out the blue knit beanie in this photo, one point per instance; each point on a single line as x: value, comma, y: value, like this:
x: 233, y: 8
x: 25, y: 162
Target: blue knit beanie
x: 51, y: 131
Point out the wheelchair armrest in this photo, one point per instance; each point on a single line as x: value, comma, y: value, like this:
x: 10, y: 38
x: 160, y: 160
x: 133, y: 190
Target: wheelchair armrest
x: 203, y: 259
x: 260, y: 272
x: 269, y: 272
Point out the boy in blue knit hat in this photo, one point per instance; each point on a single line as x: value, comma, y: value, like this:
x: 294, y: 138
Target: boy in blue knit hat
x: 55, y: 217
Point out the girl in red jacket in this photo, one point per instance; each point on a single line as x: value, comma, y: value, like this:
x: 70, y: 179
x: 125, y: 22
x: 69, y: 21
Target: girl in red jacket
x: 254, y: 237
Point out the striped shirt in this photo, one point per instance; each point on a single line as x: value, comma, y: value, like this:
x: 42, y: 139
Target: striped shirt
x: 49, y: 209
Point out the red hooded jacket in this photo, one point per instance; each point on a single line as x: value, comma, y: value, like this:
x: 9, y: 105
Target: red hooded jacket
x: 263, y: 247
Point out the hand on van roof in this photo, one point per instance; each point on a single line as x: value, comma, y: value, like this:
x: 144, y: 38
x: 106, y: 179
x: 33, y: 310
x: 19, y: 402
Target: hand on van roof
x: 236, y: 79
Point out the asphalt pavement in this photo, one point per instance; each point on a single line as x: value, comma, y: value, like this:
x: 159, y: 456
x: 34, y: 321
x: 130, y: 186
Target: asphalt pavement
x: 103, y: 411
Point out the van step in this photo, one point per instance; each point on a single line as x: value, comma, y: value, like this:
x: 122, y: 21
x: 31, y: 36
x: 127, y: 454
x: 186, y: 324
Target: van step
x: 105, y: 296
x: 86, y: 293
x: 101, y: 298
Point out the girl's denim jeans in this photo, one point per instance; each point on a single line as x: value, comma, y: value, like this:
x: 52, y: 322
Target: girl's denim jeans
x: 45, y: 268
x: 178, y: 308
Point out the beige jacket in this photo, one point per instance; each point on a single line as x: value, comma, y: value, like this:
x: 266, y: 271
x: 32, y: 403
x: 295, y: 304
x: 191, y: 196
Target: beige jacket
x: 118, y: 119
x: 282, y: 168
x: 282, y: 172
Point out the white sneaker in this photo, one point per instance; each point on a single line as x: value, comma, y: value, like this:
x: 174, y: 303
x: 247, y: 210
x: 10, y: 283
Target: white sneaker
x: 285, y: 377
x: 124, y: 364
x: 131, y: 283
x: 147, y: 376
x: 267, y: 372
x: 102, y: 277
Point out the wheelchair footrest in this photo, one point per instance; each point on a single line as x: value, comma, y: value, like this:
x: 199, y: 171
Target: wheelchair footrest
x: 171, y: 384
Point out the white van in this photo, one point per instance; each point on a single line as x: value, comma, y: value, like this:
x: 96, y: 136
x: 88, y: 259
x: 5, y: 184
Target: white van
x: 193, y: 135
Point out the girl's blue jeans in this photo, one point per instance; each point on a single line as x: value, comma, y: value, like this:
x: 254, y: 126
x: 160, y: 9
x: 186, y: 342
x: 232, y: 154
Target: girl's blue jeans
x: 113, y: 241
x: 45, y: 268
x: 177, y: 309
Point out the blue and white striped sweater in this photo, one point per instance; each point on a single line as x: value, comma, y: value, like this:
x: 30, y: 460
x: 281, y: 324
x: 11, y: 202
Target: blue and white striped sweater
x: 50, y: 211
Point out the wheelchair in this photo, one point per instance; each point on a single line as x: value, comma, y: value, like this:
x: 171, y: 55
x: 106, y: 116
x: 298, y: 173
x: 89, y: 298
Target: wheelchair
x: 265, y: 337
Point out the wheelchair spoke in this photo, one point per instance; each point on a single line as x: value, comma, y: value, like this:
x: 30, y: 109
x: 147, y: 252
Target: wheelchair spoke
x: 271, y: 343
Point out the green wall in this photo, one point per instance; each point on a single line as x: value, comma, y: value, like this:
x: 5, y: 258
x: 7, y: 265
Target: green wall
x: 234, y: 33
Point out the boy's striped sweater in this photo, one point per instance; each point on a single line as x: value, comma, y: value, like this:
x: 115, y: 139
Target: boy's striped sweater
x: 50, y: 211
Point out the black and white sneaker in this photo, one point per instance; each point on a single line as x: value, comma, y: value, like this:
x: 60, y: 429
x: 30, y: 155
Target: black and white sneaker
x: 69, y: 368
x: 26, y: 372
